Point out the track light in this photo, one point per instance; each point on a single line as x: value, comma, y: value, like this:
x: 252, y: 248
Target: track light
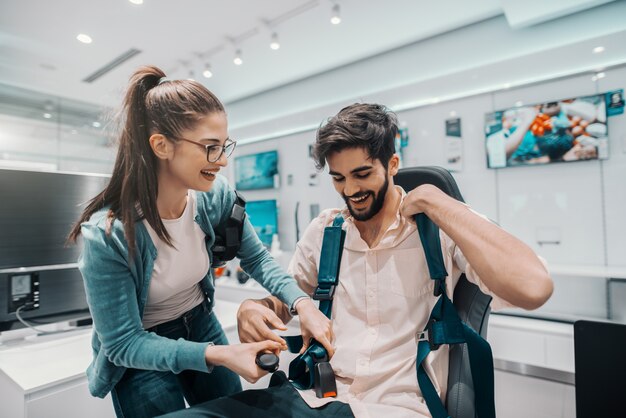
x: 274, y: 44
x: 335, y: 18
x: 238, y: 60
x: 207, y: 73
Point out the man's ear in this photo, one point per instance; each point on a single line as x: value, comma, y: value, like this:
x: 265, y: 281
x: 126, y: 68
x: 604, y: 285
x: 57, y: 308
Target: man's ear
x: 162, y: 148
x: 394, y: 165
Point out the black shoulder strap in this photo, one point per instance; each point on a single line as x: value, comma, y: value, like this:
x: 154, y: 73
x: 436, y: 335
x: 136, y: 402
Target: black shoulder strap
x: 229, y: 232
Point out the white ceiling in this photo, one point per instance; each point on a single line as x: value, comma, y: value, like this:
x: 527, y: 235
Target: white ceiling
x: 39, y: 50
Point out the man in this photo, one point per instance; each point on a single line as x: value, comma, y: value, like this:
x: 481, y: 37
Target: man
x: 385, y: 294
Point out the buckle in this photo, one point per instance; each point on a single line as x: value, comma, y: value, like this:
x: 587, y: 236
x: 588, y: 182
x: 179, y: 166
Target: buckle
x: 324, y: 380
x: 437, y: 288
x: 320, y: 293
x: 427, y: 334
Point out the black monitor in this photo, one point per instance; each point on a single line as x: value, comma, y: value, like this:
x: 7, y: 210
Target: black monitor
x: 37, y: 270
x: 600, y: 363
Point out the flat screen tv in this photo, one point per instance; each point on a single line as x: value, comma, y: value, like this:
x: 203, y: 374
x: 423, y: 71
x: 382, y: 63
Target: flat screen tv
x: 257, y: 171
x: 39, y: 277
x: 263, y: 215
x: 557, y: 131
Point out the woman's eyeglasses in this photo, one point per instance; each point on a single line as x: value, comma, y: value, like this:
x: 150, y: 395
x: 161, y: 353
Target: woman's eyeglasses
x: 214, y: 152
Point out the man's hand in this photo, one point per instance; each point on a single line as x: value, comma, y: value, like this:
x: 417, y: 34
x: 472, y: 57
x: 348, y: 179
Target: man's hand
x: 255, y: 322
x: 418, y: 199
x: 314, y: 324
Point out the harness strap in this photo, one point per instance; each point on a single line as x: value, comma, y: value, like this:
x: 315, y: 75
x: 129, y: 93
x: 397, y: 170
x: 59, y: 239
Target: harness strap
x: 303, y: 368
x: 445, y: 327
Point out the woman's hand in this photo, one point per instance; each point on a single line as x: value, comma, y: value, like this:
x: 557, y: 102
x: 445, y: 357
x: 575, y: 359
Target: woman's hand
x: 314, y: 324
x: 241, y: 358
x: 255, y: 322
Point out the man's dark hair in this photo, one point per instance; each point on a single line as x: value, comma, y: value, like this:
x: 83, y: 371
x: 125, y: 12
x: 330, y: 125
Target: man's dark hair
x: 361, y: 125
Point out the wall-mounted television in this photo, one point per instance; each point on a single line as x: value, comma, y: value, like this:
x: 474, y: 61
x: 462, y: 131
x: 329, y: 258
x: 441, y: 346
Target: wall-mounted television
x: 557, y: 131
x: 257, y: 171
x: 263, y: 215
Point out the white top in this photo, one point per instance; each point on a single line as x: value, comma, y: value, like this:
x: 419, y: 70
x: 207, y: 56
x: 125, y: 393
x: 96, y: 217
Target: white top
x: 174, y: 288
x: 383, y: 300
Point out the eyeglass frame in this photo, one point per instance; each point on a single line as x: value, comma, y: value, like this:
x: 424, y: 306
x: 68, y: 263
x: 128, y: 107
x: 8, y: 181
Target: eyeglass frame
x: 208, y: 147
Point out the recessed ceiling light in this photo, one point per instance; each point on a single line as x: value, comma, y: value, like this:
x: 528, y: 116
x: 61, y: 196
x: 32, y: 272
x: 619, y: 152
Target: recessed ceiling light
x: 47, y: 115
x: 136, y: 1
x: 96, y: 124
x: 335, y: 18
x: 274, y: 44
x: 207, y: 73
x: 600, y: 75
x: 238, y: 60
x: 519, y: 103
x: 598, y: 49
x: 86, y: 39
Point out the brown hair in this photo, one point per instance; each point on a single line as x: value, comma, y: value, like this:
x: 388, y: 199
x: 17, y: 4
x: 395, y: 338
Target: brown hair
x: 361, y: 125
x: 153, y: 104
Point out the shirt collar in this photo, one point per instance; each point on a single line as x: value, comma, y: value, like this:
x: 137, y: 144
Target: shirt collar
x: 396, y: 233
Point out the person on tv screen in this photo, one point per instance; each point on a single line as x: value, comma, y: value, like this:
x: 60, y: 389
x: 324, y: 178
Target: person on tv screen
x: 385, y: 294
x: 146, y: 259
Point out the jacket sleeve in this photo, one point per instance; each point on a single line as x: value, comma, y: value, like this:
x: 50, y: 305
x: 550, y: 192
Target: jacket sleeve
x: 257, y: 261
x: 112, y: 298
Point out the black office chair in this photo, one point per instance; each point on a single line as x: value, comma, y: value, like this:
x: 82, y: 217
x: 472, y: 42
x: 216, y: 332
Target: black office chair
x: 600, y: 368
x: 472, y: 305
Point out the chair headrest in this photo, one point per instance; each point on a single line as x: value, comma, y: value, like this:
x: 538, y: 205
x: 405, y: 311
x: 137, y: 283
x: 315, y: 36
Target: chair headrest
x: 411, y: 177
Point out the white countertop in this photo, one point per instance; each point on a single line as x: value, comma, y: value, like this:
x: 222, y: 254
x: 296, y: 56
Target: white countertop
x: 35, y: 363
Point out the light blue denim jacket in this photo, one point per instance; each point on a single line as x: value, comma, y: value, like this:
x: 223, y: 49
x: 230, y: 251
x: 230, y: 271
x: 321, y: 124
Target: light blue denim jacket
x: 117, y: 289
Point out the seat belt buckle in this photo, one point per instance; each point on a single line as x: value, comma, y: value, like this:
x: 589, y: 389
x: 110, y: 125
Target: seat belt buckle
x: 427, y: 335
x: 324, y: 380
x: 437, y: 288
x: 318, y: 295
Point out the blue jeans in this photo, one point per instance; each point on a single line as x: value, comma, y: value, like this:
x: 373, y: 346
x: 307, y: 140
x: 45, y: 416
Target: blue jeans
x: 148, y: 393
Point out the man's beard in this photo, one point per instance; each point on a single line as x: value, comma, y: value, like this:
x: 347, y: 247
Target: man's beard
x: 375, y: 207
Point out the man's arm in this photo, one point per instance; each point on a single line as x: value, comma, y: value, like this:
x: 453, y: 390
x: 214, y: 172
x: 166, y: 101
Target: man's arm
x: 506, y: 265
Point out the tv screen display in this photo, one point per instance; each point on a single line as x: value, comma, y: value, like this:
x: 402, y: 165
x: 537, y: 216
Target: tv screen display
x: 257, y: 171
x: 263, y: 215
x: 37, y: 211
x: 558, y: 131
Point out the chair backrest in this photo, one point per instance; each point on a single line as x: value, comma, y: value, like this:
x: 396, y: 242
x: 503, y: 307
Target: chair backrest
x: 472, y: 305
x: 600, y: 366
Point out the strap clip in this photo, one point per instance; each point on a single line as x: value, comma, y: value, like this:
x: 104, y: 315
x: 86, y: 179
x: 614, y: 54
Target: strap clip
x: 427, y: 335
x: 324, y: 380
x: 324, y: 293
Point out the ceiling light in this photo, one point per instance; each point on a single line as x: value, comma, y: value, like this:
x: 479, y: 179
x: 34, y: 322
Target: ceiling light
x: 274, y: 44
x: 335, y: 18
x: 47, y: 115
x: 136, y: 1
x: 86, y: 39
x: 519, y: 104
x: 600, y: 75
x: 207, y: 71
x: 598, y: 49
x: 238, y: 60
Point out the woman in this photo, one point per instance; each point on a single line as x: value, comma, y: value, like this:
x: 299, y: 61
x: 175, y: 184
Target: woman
x: 146, y: 258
